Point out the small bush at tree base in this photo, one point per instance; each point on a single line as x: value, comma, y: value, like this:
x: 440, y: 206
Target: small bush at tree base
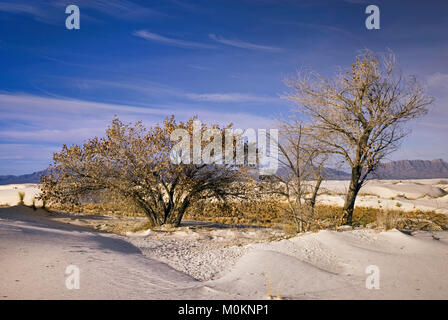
x: 21, y: 198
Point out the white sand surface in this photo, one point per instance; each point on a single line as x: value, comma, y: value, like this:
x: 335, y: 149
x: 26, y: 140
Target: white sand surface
x: 9, y: 194
x: 34, y: 252
x: 423, y: 194
x: 332, y: 265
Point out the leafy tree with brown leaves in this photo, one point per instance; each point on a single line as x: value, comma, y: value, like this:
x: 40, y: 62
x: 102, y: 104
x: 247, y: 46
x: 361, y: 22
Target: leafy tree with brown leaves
x: 133, y: 163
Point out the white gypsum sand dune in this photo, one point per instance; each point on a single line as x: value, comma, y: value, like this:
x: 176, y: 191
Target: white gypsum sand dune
x: 424, y: 194
x: 35, y: 252
x: 9, y: 194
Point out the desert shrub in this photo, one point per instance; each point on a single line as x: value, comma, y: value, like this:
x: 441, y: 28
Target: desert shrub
x: 274, y: 213
x: 411, y: 220
x: 264, y: 213
x: 267, y: 213
x: 21, y: 198
x: 135, y: 166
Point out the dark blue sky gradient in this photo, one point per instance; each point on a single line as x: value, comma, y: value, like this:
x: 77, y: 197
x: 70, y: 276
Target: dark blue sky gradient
x: 223, y: 60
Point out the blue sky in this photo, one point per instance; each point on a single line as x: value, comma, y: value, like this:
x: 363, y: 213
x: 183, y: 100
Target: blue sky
x: 223, y: 60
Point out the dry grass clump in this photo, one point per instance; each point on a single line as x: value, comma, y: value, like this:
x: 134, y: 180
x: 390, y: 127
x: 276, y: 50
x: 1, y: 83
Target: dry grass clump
x: 266, y: 213
x: 104, y: 209
x: 273, y: 213
x: 21, y: 198
x: 142, y: 226
x: 384, y: 219
x: 121, y: 227
x: 411, y: 220
x: 110, y: 209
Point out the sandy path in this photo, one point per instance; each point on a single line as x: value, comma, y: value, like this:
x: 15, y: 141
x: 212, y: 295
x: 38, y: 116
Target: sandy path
x: 35, y: 252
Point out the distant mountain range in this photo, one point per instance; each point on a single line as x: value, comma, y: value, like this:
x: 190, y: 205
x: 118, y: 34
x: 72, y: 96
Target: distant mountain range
x: 403, y: 169
x: 413, y: 169
x: 26, y: 178
x: 394, y: 170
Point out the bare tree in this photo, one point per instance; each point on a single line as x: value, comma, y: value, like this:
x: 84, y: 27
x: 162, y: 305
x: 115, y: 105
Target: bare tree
x: 301, y: 174
x: 134, y: 164
x: 360, y: 113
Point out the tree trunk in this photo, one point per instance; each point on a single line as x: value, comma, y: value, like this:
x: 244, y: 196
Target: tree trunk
x: 181, y: 212
x: 151, y: 217
x: 350, y: 199
x: 314, y: 195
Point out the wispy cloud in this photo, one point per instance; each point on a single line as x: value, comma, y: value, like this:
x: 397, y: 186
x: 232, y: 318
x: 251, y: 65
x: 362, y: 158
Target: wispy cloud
x: 230, y: 97
x: 437, y: 80
x: 202, y: 68
x: 38, y: 12
x: 146, y: 88
x: 123, y: 9
x: 13, y: 151
x: 170, y: 41
x: 321, y: 28
x: 428, y: 136
x: 243, y: 44
x: 38, y: 126
x: 25, y: 158
x: 64, y: 120
x: 19, y: 8
x: 154, y: 89
x: 52, y: 12
x: 79, y: 107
